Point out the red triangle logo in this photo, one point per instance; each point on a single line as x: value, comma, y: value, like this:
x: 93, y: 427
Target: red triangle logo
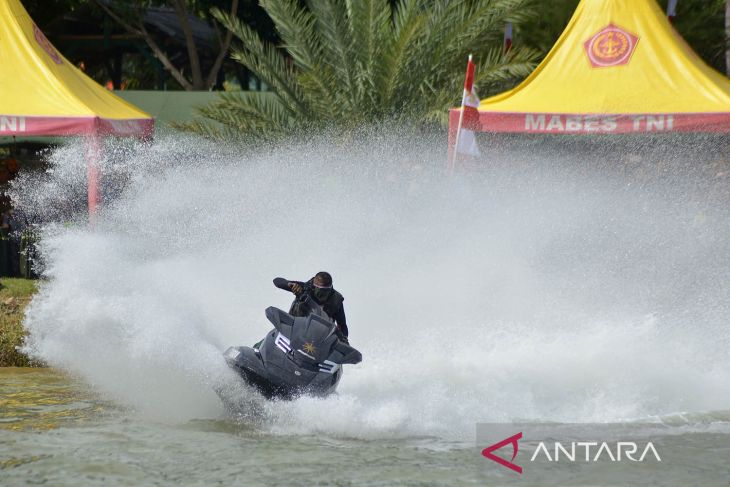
x: 487, y: 452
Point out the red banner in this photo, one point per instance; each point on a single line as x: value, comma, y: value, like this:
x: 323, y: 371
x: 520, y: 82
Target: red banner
x: 570, y: 123
x: 67, y: 126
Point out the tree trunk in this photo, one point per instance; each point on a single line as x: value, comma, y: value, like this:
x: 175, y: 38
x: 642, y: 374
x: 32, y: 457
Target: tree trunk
x: 213, y: 75
x: 182, y: 14
x: 139, y: 29
x: 199, y: 81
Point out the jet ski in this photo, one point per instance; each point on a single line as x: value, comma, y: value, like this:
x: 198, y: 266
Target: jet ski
x: 300, y: 356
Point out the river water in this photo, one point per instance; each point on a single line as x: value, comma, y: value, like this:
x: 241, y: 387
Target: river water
x: 582, y: 283
x: 54, y: 430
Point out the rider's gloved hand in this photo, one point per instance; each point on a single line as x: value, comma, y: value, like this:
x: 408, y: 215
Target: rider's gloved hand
x: 296, y: 288
x: 341, y: 335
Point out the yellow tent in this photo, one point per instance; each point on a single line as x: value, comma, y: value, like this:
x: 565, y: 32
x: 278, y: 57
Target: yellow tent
x: 619, y: 67
x: 41, y: 93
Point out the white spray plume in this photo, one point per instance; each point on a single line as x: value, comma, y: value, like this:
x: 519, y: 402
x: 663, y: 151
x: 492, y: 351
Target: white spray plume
x: 540, y: 285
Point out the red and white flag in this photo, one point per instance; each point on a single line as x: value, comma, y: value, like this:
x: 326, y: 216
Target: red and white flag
x: 507, y: 36
x: 469, y: 122
x: 672, y: 10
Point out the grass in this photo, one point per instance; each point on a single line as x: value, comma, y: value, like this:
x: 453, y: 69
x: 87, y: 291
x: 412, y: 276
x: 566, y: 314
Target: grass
x: 15, y: 294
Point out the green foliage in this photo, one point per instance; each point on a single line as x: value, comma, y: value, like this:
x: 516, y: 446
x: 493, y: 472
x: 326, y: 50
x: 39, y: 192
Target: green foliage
x: 541, y: 31
x: 702, y: 24
x: 17, y: 288
x: 14, y: 296
x: 347, y: 63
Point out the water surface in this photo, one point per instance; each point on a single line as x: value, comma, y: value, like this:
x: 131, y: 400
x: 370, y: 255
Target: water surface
x: 584, y: 281
x: 55, y: 431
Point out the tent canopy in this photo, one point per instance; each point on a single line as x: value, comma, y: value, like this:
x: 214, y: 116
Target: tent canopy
x: 619, y: 67
x: 42, y: 93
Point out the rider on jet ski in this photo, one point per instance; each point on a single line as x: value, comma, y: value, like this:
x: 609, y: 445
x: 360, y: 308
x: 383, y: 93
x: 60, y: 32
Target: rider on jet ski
x: 320, y: 290
x: 305, y: 351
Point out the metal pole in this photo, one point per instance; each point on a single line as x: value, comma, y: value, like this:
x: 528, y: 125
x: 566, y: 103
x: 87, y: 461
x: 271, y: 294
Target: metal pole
x: 93, y: 156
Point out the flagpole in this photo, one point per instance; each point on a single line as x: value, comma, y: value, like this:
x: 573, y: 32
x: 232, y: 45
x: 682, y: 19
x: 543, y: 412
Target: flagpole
x: 454, y: 152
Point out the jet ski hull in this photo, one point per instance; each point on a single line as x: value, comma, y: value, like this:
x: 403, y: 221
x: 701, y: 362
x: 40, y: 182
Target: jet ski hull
x: 300, y: 356
x: 284, y: 382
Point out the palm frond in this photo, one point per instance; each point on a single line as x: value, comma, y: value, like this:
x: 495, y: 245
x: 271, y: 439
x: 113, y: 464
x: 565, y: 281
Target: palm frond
x: 256, y: 110
x: 346, y: 63
x: 497, y: 66
x: 295, y: 26
x: 337, y: 49
x: 264, y: 61
x: 370, y: 22
x: 394, y: 76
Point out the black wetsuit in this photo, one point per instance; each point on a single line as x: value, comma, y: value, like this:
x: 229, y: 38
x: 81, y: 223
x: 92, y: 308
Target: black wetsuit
x: 333, y: 305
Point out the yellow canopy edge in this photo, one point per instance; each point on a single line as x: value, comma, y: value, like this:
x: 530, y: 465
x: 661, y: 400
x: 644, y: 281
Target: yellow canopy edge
x: 618, y: 56
x: 37, y: 81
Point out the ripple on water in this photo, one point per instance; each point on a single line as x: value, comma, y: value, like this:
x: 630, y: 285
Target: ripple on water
x: 43, y: 399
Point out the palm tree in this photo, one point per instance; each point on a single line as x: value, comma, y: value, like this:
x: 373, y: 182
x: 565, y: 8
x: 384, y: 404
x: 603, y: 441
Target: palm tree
x: 349, y: 63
